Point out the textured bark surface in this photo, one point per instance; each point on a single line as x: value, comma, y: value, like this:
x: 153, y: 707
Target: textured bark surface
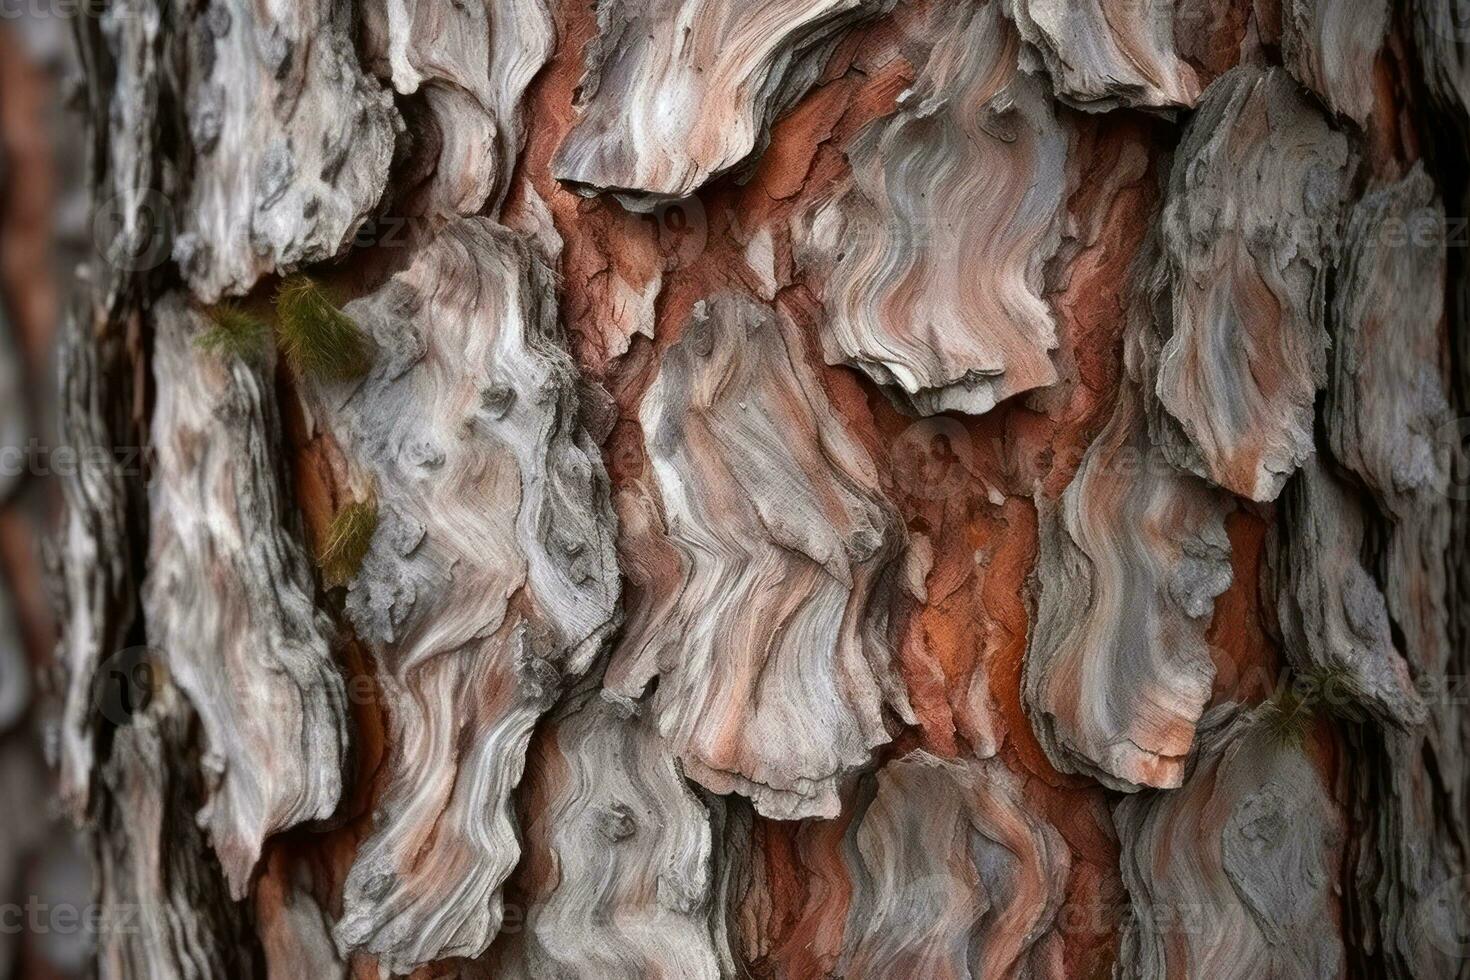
x: 776, y: 585
x: 489, y: 577
x: 1233, y: 875
x: 1105, y: 54
x: 1332, y: 47
x: 228, y: 598
x: 678, y: 93
x: 470, y: 65
x: 1249, y: 224
x: 290, y: 140
x: 1131, y: 560
x: 795, y: 489
x: 622, y: 848
x: 944, y: 304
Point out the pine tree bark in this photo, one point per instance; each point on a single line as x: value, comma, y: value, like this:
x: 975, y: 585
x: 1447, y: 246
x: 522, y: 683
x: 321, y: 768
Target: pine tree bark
x: 819, y: 488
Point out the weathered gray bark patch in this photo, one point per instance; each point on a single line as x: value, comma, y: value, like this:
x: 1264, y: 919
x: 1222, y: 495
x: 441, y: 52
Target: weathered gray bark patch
x: 134, y: 218
x: 490, y: 577
x: 471, y: 62
x: 1107, y: 54
x: 230, y: 602
x: 171, y: 915
x: 291, y: 141
x: 97, y: 588
x: 1232, y: 875
x: 632, y: 894
x: 1389, y: 424
x: 1386, y: 406
x: 952, y: 876
x: 1131, y: 560
x: 1332, y: 47
x: 1333, y: 618
x: 1250, y: 218
x: 1439, y: 32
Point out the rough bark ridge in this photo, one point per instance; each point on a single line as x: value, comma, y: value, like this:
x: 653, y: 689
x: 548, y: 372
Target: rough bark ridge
x: 1253, y: 895
x: 1332, y: 46
x: 966, y: 885
x: 1409, y: 802
x: 622, y: 849
x: 678, y: 93
x: 823, y: 488
x: 290, y: 140
x: 229, y: 599
x: 471, y: 63
x: 171, y: 912
x: 1254, y: 203
x: 489, y: 577
x: 1105, y: 54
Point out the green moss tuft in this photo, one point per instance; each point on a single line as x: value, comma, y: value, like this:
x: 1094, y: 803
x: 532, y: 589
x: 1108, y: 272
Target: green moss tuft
x: 347, y: 541
x: 234, y: 333
x: 318, y: 339
x: 1287, y: 715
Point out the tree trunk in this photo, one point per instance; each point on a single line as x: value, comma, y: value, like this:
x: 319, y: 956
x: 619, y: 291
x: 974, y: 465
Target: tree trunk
x: 830, y: 488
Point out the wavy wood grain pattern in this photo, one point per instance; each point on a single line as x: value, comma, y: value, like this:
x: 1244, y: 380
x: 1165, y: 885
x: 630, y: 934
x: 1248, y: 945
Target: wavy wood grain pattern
x: 1026, y: 390
x: 1333, y: 616
x: 168, y: 905
x: 1389, y: 423
x: 766, y: 572
x: 1439, y: 30
x: 933, y: 252
x: 97, y: 586
x: 952, y: 876
x: 1132, y: 558
x: 1386, y: 405
x: 133, y: 222
x: 676, y: 94
x: 1332, y: 47
x: 1108, y: 54
x: 470, y: 63
x: 489, y: 579
x: 96, y: 543
x: 622, y: 854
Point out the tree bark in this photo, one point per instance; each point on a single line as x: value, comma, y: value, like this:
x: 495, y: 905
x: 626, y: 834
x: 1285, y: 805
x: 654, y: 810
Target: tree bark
x: 819, y: 488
